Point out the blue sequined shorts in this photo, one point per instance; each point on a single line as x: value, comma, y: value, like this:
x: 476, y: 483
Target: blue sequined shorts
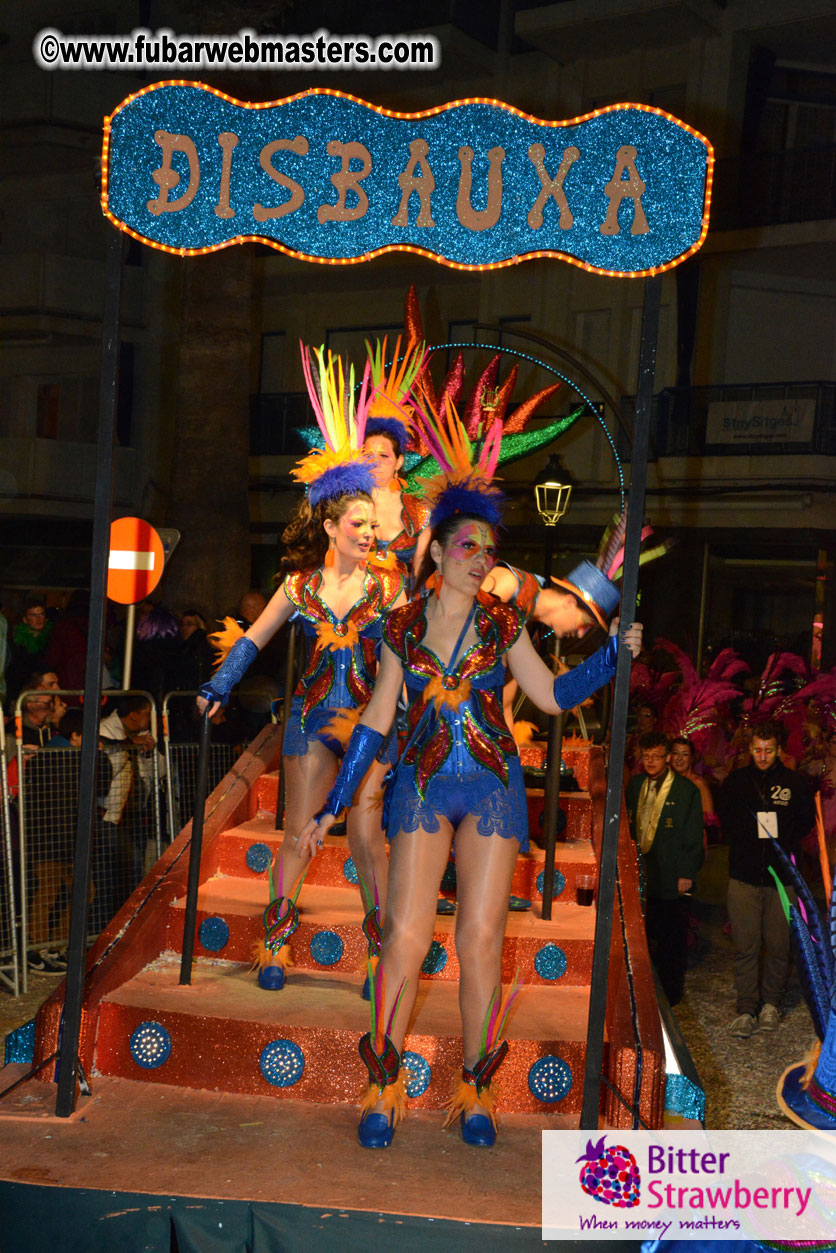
x: 297, y: 742
x: 498, y: 810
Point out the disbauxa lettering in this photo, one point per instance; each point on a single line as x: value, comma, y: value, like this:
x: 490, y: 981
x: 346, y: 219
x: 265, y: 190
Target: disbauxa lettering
x: 416, y: 183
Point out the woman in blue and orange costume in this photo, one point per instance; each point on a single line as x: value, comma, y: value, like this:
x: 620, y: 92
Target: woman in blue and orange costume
x: 459, y: 777
x: 342, y: 602
x: 402, y: 518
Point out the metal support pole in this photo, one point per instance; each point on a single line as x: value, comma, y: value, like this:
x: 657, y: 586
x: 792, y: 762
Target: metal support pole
x: 615, y: 770
x: 196, y: 847
x: 108, y: 391
x: 127, y: 666
x: 551, y: 798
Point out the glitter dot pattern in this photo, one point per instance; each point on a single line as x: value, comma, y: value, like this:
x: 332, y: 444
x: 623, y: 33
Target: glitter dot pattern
x: 213, y: 934
x: 559, y: 882
x: 350, y: 871
x: 326, y: 948
x: 550, y: 1079
x: 550, y: 962
x: 420, y: 1073
x: 150, y: 1045
x: 436, y: 959
x: 282, y: 1063
x: 258, y: 858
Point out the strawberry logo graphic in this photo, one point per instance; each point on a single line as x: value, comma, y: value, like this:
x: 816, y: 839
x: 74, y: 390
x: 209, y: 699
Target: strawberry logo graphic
x: 610, y: 1175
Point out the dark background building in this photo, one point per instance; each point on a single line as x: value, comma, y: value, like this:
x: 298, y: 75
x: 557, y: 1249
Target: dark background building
x: 210, y: 378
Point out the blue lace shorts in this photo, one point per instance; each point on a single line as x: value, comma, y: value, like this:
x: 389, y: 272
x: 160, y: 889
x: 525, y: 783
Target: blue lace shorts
x: 297, y: 742
x: 499, y: 810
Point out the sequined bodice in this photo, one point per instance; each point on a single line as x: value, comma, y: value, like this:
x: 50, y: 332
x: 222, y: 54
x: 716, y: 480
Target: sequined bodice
x: 342, y: 652
x: 464, y: 728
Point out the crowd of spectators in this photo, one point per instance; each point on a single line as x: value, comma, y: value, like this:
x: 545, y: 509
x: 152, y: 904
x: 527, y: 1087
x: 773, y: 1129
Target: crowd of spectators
x: 43, y: 655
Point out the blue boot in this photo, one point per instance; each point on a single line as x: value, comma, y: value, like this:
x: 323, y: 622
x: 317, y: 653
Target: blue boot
x: 386, y: 1083
x: 271, y: 978
x: 478, y: 1130
x: 375, y: 1131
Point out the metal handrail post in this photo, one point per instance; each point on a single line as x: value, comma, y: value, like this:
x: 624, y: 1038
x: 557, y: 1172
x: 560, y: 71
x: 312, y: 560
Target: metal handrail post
x: 169, y: 788
x: 551, y: 799
x: 103, y: 495
x: 196, y: 848
x: 615, y: 772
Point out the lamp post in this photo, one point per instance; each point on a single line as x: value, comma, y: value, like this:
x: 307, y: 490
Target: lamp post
x: 552, y: 493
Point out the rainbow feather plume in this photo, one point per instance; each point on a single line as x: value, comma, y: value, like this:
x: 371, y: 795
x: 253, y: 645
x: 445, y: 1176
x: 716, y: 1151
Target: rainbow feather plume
x: 340, y: 468
x: 465, y: 485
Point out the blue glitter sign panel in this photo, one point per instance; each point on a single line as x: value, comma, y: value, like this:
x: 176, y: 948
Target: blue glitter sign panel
x: 326, y: 177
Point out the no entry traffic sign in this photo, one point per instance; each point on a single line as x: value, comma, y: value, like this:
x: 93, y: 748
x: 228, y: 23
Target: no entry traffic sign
x: 135, y: 560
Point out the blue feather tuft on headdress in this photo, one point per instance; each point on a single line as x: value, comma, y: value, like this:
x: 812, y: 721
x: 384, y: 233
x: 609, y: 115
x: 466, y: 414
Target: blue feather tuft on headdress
x: 389, y: 426
x: 348, y: 479
x: 469, y: 501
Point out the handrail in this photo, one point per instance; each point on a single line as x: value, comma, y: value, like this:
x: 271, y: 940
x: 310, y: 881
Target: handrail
x: 636, y: 1053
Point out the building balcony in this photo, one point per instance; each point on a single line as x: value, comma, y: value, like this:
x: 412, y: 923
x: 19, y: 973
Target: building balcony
x: 741, y: 419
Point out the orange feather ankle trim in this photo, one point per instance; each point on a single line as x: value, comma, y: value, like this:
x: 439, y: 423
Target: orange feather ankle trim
x: 393, y: 1098
x: 466, y: 1100
x: 264, y: 956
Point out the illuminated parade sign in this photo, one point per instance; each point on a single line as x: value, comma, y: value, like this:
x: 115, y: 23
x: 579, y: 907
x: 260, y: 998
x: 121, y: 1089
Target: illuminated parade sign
x: 474, y: 184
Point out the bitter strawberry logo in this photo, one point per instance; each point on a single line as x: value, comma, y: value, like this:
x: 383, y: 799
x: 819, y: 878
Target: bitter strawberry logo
x: 610, y: 1175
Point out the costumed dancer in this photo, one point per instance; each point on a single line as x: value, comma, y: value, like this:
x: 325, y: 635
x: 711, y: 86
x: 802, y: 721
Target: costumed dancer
x: 341, y: 601
x: 402, y: 518
x: 807, y: 1090
x: 459, y: 776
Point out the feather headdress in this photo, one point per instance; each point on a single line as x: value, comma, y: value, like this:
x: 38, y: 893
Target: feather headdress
x: 807, y: 1090
x: 465, y: 484
x: 391, y: 385
x: 341, y: 468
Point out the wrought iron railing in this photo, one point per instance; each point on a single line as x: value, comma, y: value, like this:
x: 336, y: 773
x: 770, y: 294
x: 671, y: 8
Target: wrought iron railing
x: 741, y: 419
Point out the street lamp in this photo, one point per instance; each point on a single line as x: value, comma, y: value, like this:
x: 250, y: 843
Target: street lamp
x: 552, y: 493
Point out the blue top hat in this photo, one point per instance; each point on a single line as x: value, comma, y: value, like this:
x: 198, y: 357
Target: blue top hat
x: 598, y: 593
x: 810, y: 1099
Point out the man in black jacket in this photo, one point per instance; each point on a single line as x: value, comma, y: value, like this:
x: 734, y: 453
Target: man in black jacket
x: 759, y: 803
x: 665, y: 814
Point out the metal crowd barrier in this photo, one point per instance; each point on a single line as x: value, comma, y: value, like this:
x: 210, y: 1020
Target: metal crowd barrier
x: 127, y: 838
x: 9, y: 956
x: 181, y: 726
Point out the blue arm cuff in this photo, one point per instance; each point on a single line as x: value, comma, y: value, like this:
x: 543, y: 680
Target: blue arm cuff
x: 573, y: 688
x: 236, y: 664
x: 362, y: 749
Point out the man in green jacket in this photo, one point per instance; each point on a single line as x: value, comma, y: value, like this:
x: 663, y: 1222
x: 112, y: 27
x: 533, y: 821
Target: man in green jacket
x: 665, y: 814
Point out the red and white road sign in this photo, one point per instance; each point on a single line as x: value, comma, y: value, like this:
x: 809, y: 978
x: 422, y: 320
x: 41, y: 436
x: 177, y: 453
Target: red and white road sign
x: 135, y: 561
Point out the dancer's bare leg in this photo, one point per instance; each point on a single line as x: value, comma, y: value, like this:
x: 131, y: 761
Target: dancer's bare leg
x: 366, y: 841
x: 484, y: 870
x: 417, y: 861
x: 308, y: 780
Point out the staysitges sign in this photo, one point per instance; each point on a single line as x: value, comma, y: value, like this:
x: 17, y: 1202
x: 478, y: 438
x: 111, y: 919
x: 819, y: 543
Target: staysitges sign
x: 473, y: 184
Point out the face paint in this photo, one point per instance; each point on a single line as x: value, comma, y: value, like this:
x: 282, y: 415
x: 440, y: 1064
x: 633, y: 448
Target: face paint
x: 471, y: 541
x: 355, y: 529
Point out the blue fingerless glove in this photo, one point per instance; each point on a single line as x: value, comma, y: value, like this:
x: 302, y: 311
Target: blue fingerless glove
x: 362, y: 749
x: 235, y: 665
x: 573, y: 688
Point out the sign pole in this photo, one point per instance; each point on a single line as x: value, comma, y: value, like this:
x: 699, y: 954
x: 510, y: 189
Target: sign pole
x: 68, y: 1061
x: 130, y: 627
x: 615, y: 768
